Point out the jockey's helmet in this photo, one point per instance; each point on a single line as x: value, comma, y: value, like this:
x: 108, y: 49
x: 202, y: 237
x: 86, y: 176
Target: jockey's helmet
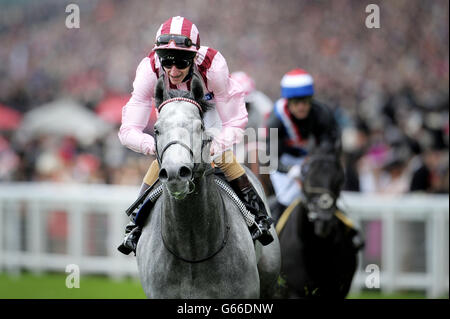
x: 297, y: 83
x: 246, y: 82
x: 177, y: 33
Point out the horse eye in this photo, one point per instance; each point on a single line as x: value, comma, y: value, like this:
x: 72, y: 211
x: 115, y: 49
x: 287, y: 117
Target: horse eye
x: 199, y: 126
x: 156, y: 131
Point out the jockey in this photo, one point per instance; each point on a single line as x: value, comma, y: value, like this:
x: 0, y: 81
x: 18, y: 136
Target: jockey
x: 177, y: 55
x: 302, y: 124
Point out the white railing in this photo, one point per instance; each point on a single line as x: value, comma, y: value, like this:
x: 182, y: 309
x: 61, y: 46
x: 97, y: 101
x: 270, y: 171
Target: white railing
x: 392, y: 211
x: 26, y: 210
x: 33, y: 202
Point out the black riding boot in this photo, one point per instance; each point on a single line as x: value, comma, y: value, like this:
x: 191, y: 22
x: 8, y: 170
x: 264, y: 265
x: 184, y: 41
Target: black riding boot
x: 247, y: 193
x: 132, y: 232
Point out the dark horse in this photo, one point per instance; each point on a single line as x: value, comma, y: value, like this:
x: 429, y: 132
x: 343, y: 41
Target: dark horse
x: 319, y: 244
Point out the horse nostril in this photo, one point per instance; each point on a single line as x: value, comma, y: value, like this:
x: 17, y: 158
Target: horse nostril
x: 185, y: 172
x: 163, y: 176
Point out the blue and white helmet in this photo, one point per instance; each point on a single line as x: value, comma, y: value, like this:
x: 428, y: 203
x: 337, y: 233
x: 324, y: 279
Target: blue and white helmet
x: 297, y: 83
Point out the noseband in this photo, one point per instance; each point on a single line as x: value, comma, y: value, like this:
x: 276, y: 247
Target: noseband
x: 327, y: 197
x: 159, y: 157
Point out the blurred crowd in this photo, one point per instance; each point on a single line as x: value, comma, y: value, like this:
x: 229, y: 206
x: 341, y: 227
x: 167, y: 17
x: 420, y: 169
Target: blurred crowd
x: 389, y: 87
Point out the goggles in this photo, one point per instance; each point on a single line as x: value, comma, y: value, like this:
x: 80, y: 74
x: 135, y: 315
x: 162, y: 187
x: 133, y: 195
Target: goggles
x: 179, y: 63
x: 180, y: 40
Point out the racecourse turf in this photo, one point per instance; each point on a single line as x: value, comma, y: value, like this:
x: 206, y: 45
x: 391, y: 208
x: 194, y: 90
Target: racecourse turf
x: 53, y: 286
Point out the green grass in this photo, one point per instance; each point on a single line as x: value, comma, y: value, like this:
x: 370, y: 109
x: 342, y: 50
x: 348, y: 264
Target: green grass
x: 380, y: 295
x: 53, y: 286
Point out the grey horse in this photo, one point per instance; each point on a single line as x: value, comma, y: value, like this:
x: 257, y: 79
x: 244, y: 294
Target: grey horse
x: 196, y: 243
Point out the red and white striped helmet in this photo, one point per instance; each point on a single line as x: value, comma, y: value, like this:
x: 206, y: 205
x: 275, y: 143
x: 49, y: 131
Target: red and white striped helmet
x: 182, y: 27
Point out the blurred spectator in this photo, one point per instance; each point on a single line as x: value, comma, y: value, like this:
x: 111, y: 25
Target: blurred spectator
x: 391, y: 84
x: 431, y: 173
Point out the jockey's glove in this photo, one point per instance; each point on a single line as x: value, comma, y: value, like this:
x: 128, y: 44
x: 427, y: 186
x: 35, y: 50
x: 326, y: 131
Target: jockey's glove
x: 294, y: 172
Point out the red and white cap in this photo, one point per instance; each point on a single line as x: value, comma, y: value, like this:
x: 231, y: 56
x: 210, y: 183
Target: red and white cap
x: 179, y: 26
x: 247, y: 83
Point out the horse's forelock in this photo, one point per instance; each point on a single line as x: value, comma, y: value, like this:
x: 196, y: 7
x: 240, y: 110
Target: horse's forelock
x: 317, y: 174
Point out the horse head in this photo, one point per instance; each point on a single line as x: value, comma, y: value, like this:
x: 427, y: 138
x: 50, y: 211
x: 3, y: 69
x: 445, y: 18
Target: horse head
x: 182, y: 147
x: 322, y: 178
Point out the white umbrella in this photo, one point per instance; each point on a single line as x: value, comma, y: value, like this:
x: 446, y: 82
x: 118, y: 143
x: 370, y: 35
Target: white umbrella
x: 63, y: 118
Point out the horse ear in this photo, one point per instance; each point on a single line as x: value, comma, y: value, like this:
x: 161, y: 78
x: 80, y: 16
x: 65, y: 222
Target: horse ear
x: 197, y: 88
x: 159, y: 91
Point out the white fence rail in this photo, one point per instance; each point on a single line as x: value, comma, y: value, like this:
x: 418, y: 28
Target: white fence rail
x: 430, y: 210
x: 45, y: 227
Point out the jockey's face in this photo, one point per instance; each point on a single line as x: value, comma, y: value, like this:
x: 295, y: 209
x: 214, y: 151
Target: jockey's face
x: 176, y: 76
x: 299, y: 107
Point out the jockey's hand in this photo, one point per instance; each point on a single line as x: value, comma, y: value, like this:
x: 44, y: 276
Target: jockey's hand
x: 294, y: 172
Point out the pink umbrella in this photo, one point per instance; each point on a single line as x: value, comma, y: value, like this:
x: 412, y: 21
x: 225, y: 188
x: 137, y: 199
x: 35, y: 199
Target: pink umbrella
x: 9, y: 119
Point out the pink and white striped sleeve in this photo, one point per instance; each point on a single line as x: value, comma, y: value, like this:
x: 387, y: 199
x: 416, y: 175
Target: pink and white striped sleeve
x: 230, y: 105
x: 136, y: 113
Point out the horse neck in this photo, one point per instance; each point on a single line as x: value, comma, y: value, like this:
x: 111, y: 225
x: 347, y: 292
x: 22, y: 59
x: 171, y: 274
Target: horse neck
x: 305, y: 228
x: 194, y: 227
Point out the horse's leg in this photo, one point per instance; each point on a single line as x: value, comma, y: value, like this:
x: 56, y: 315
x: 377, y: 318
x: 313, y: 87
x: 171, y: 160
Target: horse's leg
x: 269, y: 268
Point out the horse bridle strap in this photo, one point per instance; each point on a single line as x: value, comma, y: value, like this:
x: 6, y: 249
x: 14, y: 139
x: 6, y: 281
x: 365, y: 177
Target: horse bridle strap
x: 160, y: 157
x: 180, y: 99
x: 204, y: 142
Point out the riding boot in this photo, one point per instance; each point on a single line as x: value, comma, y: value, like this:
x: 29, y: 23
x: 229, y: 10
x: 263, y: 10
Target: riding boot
x: 132, y: 231
x: 260, y: 230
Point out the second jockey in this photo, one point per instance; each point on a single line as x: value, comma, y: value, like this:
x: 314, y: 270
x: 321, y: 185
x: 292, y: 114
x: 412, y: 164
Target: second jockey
x: 303, y: 124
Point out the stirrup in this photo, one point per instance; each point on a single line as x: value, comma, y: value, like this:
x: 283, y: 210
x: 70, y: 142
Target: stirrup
x: 125, y: 250
x: 129, y: 243
x: 261, y: 232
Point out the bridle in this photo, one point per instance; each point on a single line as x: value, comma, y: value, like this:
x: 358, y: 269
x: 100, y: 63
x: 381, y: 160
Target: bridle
x: 326, y: 198
x: 205, y: 142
